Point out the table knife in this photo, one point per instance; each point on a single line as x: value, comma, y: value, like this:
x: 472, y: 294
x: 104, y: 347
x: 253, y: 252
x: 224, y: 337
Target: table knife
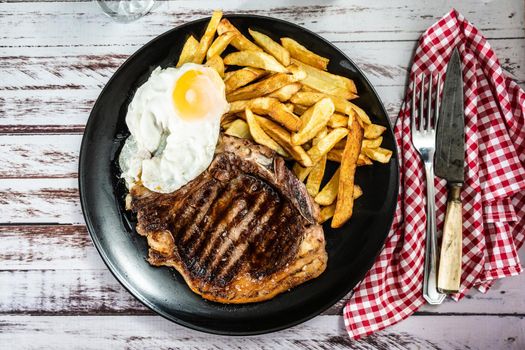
x: 449, y: 164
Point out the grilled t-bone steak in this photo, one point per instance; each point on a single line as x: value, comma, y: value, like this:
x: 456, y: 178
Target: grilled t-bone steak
x: 243, y: 231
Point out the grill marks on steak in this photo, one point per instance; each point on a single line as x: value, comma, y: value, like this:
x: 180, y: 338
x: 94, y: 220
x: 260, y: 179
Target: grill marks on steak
x: 245, y: 215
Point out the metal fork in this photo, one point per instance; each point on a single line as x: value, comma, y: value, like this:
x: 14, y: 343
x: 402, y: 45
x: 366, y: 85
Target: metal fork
x: 424, y: 140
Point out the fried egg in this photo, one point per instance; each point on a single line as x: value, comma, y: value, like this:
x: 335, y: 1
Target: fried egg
x: 174, y: 120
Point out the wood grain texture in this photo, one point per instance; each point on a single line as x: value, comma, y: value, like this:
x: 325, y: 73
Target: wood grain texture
x: 323, y: 332
x: 40, y: 200
x: 47, y: 266
x: 55, y: 57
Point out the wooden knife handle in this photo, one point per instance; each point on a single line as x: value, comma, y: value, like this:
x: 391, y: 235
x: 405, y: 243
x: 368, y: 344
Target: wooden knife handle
x: 449, y: 273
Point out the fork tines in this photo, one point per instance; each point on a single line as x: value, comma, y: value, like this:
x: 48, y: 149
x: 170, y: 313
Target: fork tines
x: 427, y: 122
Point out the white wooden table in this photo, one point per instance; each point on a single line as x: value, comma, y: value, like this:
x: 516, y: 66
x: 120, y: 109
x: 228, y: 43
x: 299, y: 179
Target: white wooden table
x: 55, y: 57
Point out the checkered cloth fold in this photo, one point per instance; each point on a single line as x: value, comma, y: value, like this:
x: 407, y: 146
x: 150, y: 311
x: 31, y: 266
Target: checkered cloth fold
x: 493, y: 194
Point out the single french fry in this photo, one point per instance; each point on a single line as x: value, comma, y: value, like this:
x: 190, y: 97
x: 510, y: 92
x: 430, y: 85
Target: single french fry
x: 313, y: 183
x: 286, y: 92
x: 255, y: 59
x: 326, y: 213
x: 358, y: 191
x: 289, y: 106
x: 276, y: 110
x: 267, y: 44
x: 345, y: 199
x: 335, y: 155
x: 240, y: 42
x: 188, y: 50
x: 381, y: 155
x: 238, y: 106
x: 299, y: 109
x: 236, y: 79
x: 307, y: 98
x: 338, y: 121
x: 263, y: 87
x: 282, y: 137
x: 374, y: 143
x: 260, y: 136
x: 207, y: 38
x: 239, y: 128
x: 373, y: 131
x: 363, y: 160
x: 328, y: 193
x: 326, y: 82
x: 313, y: 121
x: 361, y: 114
x: 301, y: 172
x: 216, y: 63
x: 220, y: 44
x: 302, y: 54
x: 325, y: 144
x: 227, y: 119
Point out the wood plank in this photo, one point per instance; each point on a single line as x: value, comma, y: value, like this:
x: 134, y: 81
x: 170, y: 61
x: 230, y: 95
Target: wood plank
x: 42, y: 201
x: 67, y: 110
x: 80, y: 68
x: 38, y: 156
x: 359, y: 20
x: 324, y: 332
x: 49, y: 265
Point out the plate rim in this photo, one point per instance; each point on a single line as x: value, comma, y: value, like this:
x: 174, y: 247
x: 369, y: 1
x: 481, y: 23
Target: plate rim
x: 124, y: 282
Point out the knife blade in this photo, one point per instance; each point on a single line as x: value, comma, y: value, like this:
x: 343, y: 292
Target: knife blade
x: 449, y: 165
x: 450, y: 137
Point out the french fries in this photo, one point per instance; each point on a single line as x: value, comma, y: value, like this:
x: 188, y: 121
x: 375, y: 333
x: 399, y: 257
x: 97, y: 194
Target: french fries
x: 276, y: 110
x: 241, y: 77
x: 313, y: 121
x: 338, y: 121
x: 220, y: 44
x: 239, y: 106
x: 283, y: 97
x: 189, y: 48
x: 308, y: 98
x: 255, y: 59
x: 325, y: 144
x: 260, y: 136
x: 239, y: 128
x: 374, y: 143
x: 263, y: 87
x: 267, y: 44
x: 363, y: 160
x: 207, y: 38
x: 329, y: 192
x: 240, y: 42
x: 302, y: 54
x: 373, y: 131
x: 286, y: 92
x: 335, y: 154
x: 345, y: 199
x: 379, y: 154
x: 328, y: 211
x: 316, y: 176
x: 326, y: 82
x: 283, y: 138
x: 216, y: 63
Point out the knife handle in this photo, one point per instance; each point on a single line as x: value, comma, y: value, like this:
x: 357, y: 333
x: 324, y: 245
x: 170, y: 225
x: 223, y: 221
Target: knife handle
x: 449, y: 273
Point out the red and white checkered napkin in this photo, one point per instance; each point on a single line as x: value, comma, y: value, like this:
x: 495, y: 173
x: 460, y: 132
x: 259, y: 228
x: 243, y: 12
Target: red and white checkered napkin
x: 493, y: 194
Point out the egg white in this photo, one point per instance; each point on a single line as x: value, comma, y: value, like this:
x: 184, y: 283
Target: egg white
x: 165, y: 150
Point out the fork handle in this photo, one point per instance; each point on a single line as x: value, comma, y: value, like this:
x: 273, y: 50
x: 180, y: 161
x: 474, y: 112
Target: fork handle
x: 430, y: 291
x: 451, y: 246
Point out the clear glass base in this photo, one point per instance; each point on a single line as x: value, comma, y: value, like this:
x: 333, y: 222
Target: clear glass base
x: 126, y: 11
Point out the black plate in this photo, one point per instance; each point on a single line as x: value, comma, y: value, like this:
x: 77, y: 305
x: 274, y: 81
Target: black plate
x: 351, y: 249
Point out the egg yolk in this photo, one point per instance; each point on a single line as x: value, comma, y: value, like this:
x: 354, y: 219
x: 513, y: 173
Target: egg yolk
x: 190, y: 95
